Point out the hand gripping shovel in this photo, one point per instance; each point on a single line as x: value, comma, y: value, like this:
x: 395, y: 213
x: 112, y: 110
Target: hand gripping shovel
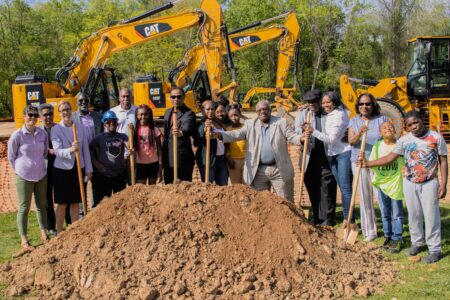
x: 132, y: 157
x: 80, y: 176
x: 175, y: 147
x: 302, y: 169
x: 208, y: 153
x: 348, y: 234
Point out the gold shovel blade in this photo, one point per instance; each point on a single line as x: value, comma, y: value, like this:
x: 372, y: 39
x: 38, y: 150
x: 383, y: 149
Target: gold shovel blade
x: 349, y: 236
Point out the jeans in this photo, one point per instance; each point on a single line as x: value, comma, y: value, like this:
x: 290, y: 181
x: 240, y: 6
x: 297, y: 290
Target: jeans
x: 217, y: 173
x: 342, y: 170
x: 391, y: 216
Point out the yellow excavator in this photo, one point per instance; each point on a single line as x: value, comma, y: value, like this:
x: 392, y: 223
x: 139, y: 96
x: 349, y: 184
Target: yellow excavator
x: 200, y: 79
x: 86, y: 69
x: 426, y: 87
x: 288, y: 50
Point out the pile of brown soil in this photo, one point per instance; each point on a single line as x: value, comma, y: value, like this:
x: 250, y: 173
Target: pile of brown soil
x: 197, y: 241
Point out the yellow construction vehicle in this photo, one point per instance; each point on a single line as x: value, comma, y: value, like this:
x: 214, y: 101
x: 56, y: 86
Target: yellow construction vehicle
x: 287, y: 51
x: 86, y: 69
x: 426, y: 87
x: 201, y: 80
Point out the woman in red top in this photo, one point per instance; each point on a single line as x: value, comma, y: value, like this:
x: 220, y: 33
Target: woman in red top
x: 148, y: 147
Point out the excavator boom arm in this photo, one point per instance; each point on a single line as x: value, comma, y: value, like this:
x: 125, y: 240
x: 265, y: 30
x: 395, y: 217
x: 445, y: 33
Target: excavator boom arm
x: 99, y: 46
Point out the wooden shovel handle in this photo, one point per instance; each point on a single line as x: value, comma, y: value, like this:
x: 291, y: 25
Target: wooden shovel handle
x: 356, y: 180
x: 303, y: 166
x: 175, y: 146
x: 132, y: 153
x: 80, y: 175
x: 208, y: 152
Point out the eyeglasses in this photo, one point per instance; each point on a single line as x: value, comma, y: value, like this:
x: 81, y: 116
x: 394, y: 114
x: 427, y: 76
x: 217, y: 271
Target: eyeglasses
x: 47, y: 114
x: 109, y: 122
x: 179, y: 97
x: 365, y: 104
x: 65, y: 110
x: 33, y: 115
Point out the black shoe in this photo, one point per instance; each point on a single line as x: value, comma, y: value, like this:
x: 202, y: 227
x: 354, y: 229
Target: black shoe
x: 414, y: 250
x: 432, y: 258
x: 387, y: 243
x: 396, y: 246
x: 327, y: 223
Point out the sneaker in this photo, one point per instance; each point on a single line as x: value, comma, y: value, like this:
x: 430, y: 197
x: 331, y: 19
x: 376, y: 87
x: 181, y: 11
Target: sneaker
x: 52, y: 232
x: 414, y: 250
x: 387, y: 243
x: 370, y: 238
x: 396, y: 246
x: 431, y: 258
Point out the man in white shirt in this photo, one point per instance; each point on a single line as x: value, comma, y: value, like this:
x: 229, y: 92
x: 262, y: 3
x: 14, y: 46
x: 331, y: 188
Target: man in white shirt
x: 125, y: 111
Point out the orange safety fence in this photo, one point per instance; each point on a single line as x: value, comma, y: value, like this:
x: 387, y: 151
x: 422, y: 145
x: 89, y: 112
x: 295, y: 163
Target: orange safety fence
x: 8, y: 195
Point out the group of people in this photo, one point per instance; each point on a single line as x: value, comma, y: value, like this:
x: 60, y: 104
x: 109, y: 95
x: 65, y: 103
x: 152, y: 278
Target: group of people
x: 396, y: 170
x: 254, y: 152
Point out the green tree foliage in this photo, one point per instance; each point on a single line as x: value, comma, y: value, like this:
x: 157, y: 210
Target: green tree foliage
x: 362, y: 38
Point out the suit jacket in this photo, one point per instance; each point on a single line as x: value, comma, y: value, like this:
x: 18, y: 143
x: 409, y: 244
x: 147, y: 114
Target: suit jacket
x: 280, y: 133
x: 96, y: 116
x: 186, y: 123
x: 62, y: 141
x: 299, y: 120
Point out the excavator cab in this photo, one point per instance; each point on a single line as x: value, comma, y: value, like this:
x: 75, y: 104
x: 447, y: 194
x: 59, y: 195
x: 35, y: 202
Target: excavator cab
x: 102, y: 89
x: 429, y: 75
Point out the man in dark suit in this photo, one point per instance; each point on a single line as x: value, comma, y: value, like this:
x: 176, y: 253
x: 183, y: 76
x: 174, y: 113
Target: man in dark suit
x: 319, y: 179
x: 184, y: 132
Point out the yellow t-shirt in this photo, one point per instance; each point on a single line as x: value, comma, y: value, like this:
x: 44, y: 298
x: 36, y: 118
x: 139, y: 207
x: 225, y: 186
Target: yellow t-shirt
x: 237, y: 149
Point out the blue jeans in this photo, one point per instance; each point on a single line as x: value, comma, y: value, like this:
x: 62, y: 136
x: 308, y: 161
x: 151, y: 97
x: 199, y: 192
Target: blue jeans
x: 391, y: 215
x: 218, y: 173
x: 342, y: 170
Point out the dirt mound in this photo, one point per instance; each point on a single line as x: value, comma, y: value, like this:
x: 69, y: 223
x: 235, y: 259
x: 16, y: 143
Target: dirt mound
x: 197, y: 241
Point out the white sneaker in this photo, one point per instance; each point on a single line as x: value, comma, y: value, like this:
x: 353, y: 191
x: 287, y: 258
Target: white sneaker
x: 370, y: 238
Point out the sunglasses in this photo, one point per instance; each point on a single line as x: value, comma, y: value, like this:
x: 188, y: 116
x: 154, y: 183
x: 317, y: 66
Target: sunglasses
x: 109, y: 122
x: 33, y: 115
x: 365, y: 104
x: 47, y: 114
x: 179, y: 97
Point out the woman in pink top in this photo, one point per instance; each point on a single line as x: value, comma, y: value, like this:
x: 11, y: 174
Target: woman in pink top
x: 147, y: 140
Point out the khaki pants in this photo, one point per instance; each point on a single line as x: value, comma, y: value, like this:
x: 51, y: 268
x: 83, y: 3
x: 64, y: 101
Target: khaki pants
x: 267, y: 176
x: 25, y: 190
x: 236, y: 173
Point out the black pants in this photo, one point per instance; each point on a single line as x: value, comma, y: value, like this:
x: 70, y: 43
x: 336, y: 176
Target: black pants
x: 185, y: 170
x: 322, y: 187
x: 51, y: 220
x: 103, y: 186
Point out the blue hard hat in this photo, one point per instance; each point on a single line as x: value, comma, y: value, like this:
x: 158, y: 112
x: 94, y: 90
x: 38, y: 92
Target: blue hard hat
x: 109, y: 115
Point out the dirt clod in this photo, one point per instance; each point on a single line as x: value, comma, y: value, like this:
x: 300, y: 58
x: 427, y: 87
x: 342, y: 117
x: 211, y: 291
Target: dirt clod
x: 196, y: 241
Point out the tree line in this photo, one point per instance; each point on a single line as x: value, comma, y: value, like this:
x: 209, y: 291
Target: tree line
x: 362, y: 38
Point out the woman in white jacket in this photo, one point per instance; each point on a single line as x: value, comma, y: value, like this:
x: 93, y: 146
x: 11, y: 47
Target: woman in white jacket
x: 338, y: 150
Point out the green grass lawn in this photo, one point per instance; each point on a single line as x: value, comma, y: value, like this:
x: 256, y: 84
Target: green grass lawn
x: 415, y: 280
